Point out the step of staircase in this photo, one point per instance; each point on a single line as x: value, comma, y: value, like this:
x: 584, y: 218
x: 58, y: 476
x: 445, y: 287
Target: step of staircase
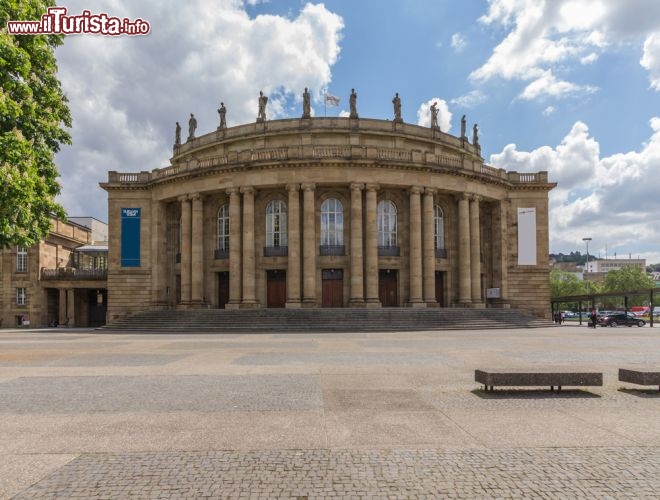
x: 326, y: 320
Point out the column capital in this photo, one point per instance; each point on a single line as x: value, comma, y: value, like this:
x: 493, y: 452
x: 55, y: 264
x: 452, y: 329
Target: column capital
x: 195, y: 197
x: 373, y: 187
x: 430, y: 191
x: 293, y: 187
x: 232, y: 190
x: 463, y: 197
x: 308, y: 186
x: 416, y: 190
x: 476, y: 197
x: 183, y: 197
x: 356, y: 186
x: 247, y: 190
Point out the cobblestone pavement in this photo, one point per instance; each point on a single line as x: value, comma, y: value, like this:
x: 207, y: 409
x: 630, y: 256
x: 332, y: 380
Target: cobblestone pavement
x: 301, y: 474
x: 362, y: 415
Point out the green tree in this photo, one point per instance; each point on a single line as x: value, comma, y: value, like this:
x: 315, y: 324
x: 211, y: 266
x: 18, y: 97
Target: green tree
x: 626, y: 279
x: 33, y: 114
x: 563, y: 283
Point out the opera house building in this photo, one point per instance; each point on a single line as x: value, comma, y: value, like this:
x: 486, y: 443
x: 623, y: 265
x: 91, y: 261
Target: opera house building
x: 327, y: 212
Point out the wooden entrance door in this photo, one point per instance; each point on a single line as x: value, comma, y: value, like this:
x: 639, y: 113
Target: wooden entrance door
x: 276, y: 288
x: 387, y: 288
x: 332, y: 288
x: 223, y: 289
x: 440, y: 288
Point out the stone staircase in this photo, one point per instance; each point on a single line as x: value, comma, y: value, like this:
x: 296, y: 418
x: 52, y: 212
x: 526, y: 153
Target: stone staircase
x: 326, y: 320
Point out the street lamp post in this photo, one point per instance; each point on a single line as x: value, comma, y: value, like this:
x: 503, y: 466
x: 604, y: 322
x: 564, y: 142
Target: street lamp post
x: 586, y: 266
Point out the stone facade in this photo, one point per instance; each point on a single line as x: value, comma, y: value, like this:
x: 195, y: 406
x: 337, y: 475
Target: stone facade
x: 52, y: 281
x: 327, y: 212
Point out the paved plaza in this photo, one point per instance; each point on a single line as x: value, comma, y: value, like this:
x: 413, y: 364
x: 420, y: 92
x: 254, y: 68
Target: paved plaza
x: 89, y: 414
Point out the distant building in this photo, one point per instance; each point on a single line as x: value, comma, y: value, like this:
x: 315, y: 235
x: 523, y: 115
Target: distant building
x: 607, y: 265
x: 60, y: 280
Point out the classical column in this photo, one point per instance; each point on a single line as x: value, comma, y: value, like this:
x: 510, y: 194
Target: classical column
x: 71, y: 306
x: 357, y: 279
x: 475, y: 249
x: 186, y: 261
x: 293, y: 227
x: 234, y: 248
x: 62, y: 306
x: 159, y: 247
x: 428, y: 247
x: 249, y: 297
x: 371, y: 248
x: 197, y: 252
x: 415, y: 258
x: 464, y: 269
x: 309, y: 245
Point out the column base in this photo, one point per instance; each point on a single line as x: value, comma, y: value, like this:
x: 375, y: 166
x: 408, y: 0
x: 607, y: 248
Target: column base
x: 416, y: 304
x: 233, y: 305
x: 432, y: 303
x: 372, y: 304
x: 356, y: 303
x: 252, y: 304
x: 295, y: 304
x: 309, y: 303
x: 478, y: 305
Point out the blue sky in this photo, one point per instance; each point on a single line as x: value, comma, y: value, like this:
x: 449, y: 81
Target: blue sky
x: 567, y: 86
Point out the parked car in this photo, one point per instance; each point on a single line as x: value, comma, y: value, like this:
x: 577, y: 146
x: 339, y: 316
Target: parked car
x: 620, y: 318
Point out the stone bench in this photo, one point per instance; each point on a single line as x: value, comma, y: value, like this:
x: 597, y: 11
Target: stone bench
x: 640, y: 377
x: 535, y: 379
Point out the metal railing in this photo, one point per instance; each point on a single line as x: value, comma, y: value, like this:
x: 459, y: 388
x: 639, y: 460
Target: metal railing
x: 71, y: 273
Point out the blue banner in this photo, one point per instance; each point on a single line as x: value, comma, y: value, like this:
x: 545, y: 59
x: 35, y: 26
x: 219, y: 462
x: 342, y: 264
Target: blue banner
x: 130, y: 237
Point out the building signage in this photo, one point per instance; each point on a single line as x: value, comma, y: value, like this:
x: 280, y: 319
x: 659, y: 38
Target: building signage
x: 130, y: 237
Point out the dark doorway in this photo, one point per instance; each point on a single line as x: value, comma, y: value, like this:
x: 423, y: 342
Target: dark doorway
x: 276, y: 288
x: 97, y: 301
x: 387, y: 287
x: 332, y: 288
x: 440, y: 288
x: 223, y: 289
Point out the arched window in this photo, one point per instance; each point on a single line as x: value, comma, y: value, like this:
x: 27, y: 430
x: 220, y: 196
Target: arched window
x: 439, y: 227
x: 276, y: 224
x: 386, y: 224
x: 223, y: 228
x: 332, y: 223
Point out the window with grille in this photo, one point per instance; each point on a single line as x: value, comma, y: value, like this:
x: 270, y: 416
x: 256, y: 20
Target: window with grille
x: 387, y: 224
x: 21, y: 259
x: 21, y: 296
x: 276, y: 232
x: 223, y: 228
x: 332, y: 223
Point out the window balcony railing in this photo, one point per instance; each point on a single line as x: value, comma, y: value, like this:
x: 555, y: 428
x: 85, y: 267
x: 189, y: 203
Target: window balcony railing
x: 221, y: 253
x: 332, y: 250
x: 440, y: 253
x: 276, y: 251
x: 71, y: 273
x: 388, y: 251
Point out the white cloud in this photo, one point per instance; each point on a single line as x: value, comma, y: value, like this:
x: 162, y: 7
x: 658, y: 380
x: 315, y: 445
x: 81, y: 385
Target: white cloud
x: 126, y: 93
x: 543, y: 34
x: 469, y: 100
x: 651, y: 59
x: 548, y: 85
x: 549, y: 111
x: 589, y: 59
x: 614, y: 199
x: 458, y: 42
x: 444, y: 115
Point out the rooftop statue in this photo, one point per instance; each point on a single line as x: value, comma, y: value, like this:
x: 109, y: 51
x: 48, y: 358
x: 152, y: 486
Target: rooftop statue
x: 192, y: 126
x: 263, y: 100
x: 222, y: 111
x: 352, y: 101
x: 307, y: 107
x: 397, y: 109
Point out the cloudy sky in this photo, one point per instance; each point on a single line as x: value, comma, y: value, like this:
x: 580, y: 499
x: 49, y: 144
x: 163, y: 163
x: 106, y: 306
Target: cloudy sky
x: 567, y: 86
